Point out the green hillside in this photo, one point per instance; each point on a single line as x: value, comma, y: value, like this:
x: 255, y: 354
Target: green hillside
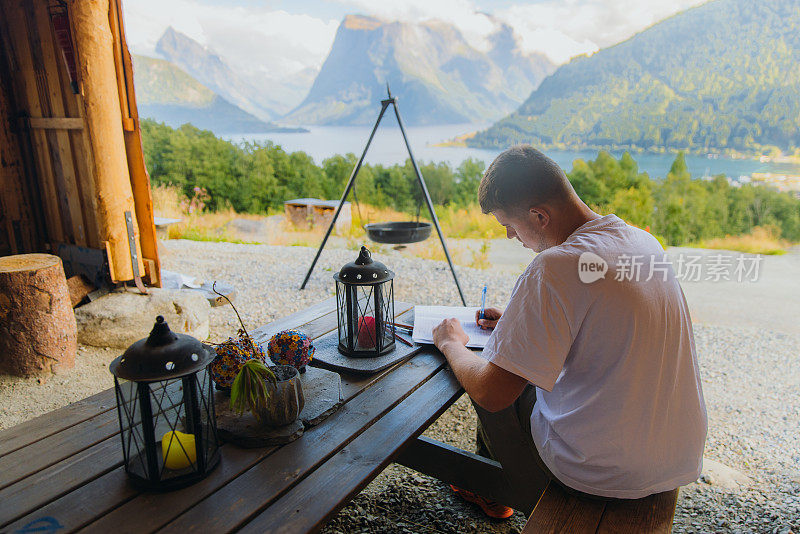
x: 722, y: 76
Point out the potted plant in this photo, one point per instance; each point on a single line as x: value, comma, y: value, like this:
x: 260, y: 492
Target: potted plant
x: 274, y: 395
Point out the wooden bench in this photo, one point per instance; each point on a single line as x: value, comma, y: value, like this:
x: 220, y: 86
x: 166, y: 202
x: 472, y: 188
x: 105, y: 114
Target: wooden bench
x: 556, y: 511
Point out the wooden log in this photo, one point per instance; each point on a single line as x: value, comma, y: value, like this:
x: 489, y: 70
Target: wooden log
x: 98, y: 75
x: 79, y: 287
x: 38, y: 333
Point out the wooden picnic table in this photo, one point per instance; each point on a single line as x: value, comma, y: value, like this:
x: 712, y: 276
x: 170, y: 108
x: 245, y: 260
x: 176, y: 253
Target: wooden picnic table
x: 63, y: 470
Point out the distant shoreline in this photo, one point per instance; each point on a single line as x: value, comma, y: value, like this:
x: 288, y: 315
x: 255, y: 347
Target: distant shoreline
x: 461, y: 141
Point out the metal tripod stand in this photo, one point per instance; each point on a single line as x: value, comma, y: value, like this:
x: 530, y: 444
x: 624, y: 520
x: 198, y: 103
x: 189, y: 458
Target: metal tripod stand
x: 385, y: 104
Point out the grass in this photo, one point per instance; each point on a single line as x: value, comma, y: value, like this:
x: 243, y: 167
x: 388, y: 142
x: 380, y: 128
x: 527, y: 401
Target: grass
x: 456, y: 223
x: 168, y: 201
x: 761, y: 240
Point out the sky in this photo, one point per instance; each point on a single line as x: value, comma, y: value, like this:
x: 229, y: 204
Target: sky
x: 283, y: 37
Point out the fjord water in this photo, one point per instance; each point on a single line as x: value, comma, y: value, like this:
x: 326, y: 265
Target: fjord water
x: 387, y: 148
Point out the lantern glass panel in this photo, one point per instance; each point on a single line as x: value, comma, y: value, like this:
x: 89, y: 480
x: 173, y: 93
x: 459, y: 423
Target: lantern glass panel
x: 387, y: 312
x: 133, y: 441
x: 168, y: 433
x: 366, y: 321
x: 341, y: 307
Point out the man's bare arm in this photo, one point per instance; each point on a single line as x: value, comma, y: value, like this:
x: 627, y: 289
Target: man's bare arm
x: 490, y: 386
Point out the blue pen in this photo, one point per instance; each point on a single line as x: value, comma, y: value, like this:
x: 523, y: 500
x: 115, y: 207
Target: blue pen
x: 483, y: 302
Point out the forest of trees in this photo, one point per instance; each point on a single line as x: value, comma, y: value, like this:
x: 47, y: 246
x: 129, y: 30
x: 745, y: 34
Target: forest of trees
x: 256, y: 178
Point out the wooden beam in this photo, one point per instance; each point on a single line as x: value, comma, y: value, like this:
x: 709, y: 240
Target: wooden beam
x: 140, y: 180
x: 56, y: 123
x: 461, y: 468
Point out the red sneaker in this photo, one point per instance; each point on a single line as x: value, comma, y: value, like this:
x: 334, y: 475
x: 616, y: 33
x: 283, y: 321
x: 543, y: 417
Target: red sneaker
x: 493, y: 509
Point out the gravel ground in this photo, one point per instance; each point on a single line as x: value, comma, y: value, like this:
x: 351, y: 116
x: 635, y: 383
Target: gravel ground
x: 748, y: 366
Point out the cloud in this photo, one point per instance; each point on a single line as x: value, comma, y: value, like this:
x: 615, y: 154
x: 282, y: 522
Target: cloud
x: 474, y: 25
x: 562, y: 29
x: 253, y: 37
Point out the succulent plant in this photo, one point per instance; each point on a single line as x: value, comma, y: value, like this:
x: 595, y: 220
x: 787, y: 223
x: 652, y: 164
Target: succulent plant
x: 249, y: 390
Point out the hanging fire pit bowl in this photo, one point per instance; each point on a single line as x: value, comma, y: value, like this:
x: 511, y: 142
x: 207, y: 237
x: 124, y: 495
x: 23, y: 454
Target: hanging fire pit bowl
x: 397, y: 233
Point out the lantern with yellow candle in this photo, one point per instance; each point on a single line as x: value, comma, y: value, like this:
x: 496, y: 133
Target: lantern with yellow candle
x: 165, y: 402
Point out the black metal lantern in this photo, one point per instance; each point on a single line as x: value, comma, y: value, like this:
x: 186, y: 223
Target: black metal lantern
x: 165, y: 401
x: 365, y: 307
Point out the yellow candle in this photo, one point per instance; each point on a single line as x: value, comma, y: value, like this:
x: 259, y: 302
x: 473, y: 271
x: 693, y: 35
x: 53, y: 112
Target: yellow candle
x: 175, y: 456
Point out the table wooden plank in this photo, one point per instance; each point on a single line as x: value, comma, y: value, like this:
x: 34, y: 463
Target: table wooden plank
x: 650, y: 515
x: 557, y: 511
x: 53, y: 422
x: 41, y: 488
x: 75, y: 509
x: 70, y: 473
x: 296, y: 320
x: 26, y: 461
x: 15, y: 467
x: 266, y: 482
x: 112, y: 491
x: 307, y: 506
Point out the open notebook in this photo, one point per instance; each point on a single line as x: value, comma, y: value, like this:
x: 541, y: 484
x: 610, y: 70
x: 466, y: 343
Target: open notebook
x: 427, y: 317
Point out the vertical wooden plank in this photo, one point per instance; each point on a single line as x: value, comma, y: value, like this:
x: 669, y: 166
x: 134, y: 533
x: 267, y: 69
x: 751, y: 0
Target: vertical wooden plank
x: 50, y: 56
x: 16, y: 214
x: 83, y: 159
x: 81, y: 152
x: 115, y: 23
x: 24, y: 76
x: 140, y: 181
x: 57, y: 165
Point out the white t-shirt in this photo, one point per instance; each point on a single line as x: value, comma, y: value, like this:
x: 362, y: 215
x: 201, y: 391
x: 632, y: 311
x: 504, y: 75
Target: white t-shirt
x: 623, y: 412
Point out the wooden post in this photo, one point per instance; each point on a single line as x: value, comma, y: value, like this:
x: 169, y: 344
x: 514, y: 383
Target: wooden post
x: 95, y: 54
x: 38, y: 333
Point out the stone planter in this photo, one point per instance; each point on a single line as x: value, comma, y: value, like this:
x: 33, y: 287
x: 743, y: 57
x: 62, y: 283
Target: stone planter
x: 286, y: 399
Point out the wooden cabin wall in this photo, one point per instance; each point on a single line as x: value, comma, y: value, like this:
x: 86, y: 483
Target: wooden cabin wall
x: 19, y: 231
x: 74, y: 157
x: 50, y: 115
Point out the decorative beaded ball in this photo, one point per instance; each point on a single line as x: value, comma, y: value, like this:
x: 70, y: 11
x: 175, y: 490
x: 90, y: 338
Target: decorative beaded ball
x: 231, y: 355
x: 291, y: 347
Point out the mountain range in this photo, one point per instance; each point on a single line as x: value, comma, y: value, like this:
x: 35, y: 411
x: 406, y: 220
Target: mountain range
x: 265, y: 98
x: 724, y: 75
x: 168, y: 94
x: 438, y: 76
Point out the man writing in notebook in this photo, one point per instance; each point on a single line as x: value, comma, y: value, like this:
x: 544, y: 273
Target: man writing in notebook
x: 590, y: 378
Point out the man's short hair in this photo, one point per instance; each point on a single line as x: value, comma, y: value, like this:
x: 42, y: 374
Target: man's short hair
x: 522, y: 177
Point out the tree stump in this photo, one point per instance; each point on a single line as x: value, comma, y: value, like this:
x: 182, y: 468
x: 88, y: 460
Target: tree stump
x: 37, y: 326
